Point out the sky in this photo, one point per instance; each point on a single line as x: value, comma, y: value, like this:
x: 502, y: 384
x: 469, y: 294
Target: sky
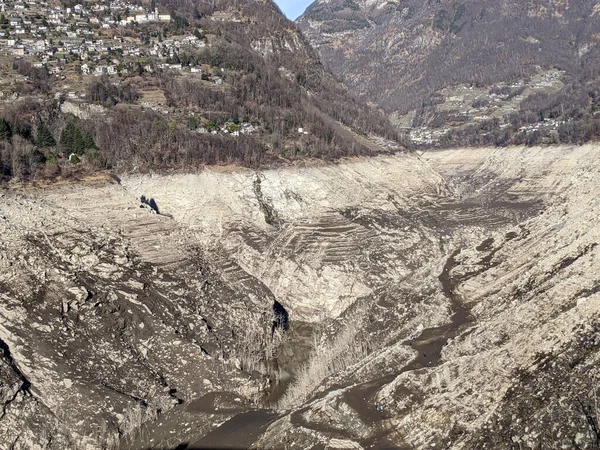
x: 293, y: 8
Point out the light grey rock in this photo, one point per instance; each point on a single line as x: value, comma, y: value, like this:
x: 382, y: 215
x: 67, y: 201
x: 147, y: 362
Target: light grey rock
x: 115, y: 316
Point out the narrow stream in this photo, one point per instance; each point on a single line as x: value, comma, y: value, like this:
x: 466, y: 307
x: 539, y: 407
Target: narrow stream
x: 429, y: 347
x: 241, y: 431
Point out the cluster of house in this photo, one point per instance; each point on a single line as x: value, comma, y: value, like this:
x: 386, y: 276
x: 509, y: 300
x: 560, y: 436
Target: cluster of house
x: 56, y: 36
x: 546, y: 124
x: 230, y: 128
x: 36, y: 27
x: 37, y: 17
x: 427, y: 136
x: 145, y: 18
x: 170, y: 47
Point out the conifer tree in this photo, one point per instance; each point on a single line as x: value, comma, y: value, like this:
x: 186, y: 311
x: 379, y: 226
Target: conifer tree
x: 78, y: 143
x: 88, y: 141
x: 44, y: 137
x: 66, y: 136
x: 5, y: 130
x: 72, y: 139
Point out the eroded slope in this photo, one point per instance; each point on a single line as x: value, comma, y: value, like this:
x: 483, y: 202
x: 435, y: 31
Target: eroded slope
x: 520, y: 367
x: 451, y: 288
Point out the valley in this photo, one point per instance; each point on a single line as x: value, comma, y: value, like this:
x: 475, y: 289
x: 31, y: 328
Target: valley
x: 469, y: 73
x: 444, y: 299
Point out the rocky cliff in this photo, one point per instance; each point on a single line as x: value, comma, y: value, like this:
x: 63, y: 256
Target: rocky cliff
x: 449, y: 298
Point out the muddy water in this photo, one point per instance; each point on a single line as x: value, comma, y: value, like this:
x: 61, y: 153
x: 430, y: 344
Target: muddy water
x: 242, y: 430
x: 429, y: 347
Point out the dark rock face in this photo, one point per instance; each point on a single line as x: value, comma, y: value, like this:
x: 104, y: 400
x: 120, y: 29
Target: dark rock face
x: 10, y: 362
x: 149, y: 202
x: 282, y: 318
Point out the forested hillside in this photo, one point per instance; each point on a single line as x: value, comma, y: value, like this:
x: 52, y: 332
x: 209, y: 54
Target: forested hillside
x: 471, y: 72
x: 222, y: 82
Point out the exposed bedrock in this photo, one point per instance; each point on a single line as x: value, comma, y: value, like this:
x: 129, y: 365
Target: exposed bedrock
x: 448, y: 298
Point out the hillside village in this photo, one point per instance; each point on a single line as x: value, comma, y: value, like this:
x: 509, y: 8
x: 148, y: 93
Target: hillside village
x: 97, y: 38
x: 111, y: 44
x: 111, y: 85
x: 464, y: 105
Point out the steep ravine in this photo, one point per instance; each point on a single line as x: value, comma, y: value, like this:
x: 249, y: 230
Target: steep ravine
x: 245, y: 427
x: 515, y: 303
x: 429, y: 286
x: 428, y: 346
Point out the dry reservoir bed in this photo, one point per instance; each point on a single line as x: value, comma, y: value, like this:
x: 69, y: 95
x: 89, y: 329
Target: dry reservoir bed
x: 446, y: 298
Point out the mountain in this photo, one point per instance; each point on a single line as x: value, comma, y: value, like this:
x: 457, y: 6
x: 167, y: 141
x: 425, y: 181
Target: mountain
x: 221, y: 82
x: 218, y: 289
x: 468, y: 69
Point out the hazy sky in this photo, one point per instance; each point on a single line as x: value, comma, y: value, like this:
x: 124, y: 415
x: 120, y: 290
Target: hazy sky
x: 293, y: 8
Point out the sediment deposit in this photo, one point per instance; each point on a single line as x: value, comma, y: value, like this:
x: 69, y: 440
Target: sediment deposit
x: 446, y: 298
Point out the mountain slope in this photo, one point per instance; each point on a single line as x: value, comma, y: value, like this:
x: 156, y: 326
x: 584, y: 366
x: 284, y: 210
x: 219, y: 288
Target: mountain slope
x: 410, y: 57
x: 224, y: 82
